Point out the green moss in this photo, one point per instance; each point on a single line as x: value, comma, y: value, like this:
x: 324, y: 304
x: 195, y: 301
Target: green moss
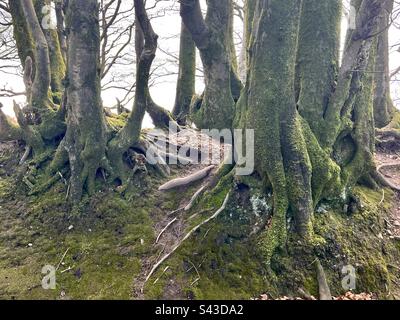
x: 105, y: 245
x: 354, y: 240
x: 113, y: 236
x: 317, y: 59
x: 6, y: 188
x: 395, y: 124
x: 117, y: 121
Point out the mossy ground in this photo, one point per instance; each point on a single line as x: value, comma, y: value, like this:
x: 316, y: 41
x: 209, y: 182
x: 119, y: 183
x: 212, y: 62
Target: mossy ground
x: 114, y: 234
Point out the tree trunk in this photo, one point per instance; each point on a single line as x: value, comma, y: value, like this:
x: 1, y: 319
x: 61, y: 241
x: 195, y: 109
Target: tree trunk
x: 293, y: 155
x: 160, y: 117
x: 317, y: 59
x: 281, y: 154
x: 249, y: 7
x: 185, y: 88
x: 212, y: 37
x: 57, y: 65
x: 130, y: 134
x: 60, y: 6
x: 383, y: 104
x: 22, y: 35
x: 48, y: 118
x: 85, y: 139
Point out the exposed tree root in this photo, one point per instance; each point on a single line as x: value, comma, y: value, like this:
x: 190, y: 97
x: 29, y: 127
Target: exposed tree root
x: 388, y: 139
x: 324, y: 291
x: 388, y: 133
x: 186, y: 181
x: 166, y: 227
x: 25, y: 155
x: 380, y: 177
x: 165, y: 257
x: 161, y: 151
x: 194, y: 198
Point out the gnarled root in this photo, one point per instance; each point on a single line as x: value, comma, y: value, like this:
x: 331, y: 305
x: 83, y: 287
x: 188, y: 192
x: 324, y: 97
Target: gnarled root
x: 380, y: 178
x: 323, y: 287
x: 388, y: 139
x: 186, y: 181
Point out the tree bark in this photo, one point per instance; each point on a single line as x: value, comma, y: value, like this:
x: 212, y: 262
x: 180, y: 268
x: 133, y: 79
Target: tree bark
x: 85, y: 139
x: 212, y: 38
x: 130, y: 134
x: 160, y: 117
x: 185, y: 88
x: 271, y: 111
x: 383, y: 104
x: 57, y: 63
x: 317, y: 59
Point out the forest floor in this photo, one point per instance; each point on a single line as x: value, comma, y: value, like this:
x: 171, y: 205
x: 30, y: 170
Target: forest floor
x: 109, y: 251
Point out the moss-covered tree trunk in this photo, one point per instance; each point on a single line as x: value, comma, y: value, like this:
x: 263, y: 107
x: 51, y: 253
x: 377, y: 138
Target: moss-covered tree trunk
x: 59, y: 7
x: 42, y: 120
x: 129, y: 136
x: 185, y: 88
x: 313, y: 121
x: 160, y: 117
x: 212, y: 37
x: 27, y: 45
x: 57, y: 63
x: 383, y: 104
x: 85, y: 139
x: 22, y: 36
x: 281, y: 155
x: 317, y: 59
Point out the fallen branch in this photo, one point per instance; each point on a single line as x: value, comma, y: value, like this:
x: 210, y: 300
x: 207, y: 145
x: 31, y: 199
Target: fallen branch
x: 181, y: 182
x: 62, y: 259
x: 164, y: 258
x: 165, y: 229
x: 66, y: 270
x: 305, y: 295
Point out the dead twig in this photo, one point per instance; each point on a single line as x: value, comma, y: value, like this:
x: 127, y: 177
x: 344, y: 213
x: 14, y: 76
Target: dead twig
x: 383, y: 197
x: 62, y: 259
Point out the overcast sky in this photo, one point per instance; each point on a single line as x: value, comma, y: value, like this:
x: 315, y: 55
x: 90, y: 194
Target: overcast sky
x: 167, y: 27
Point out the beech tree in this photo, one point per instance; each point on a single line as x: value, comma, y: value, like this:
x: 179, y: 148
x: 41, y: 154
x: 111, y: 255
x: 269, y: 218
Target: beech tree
x: 313, y: 115
x: 185, y: 88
